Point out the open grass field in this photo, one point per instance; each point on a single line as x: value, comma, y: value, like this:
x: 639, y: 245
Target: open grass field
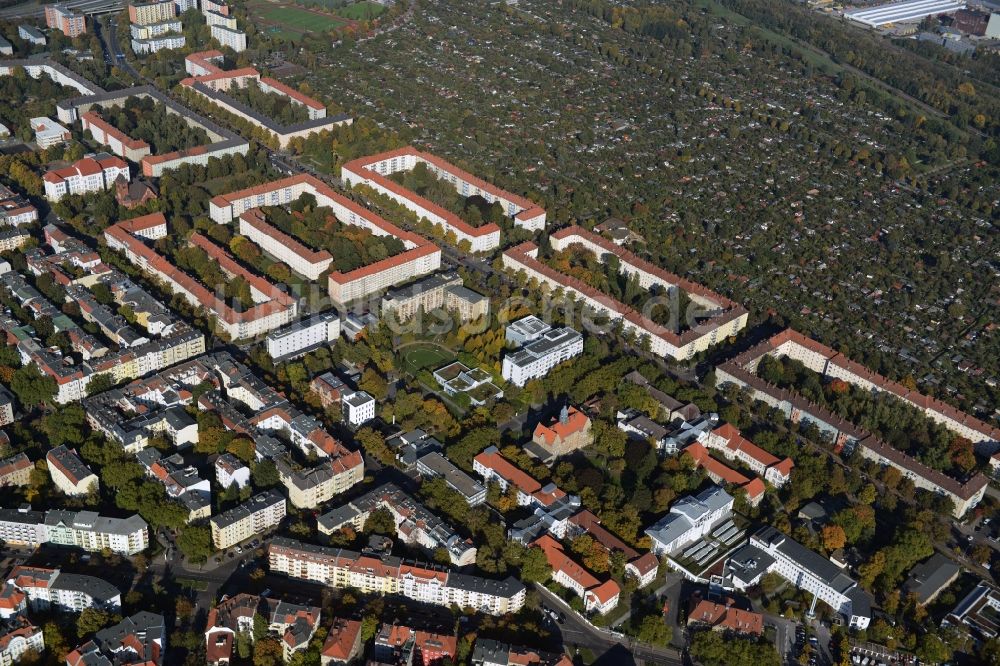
x: 365, y: 10
x: 431, y: 357
x: 291, y: 21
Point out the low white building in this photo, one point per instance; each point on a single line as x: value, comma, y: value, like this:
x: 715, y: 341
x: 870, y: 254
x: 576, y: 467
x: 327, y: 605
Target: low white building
x: 229, y: 470
x: 31, y: 34
x: 304, y: 336
x: 48, y: 132
x: 525, y: 330
x: 537, y: 358
x: 690, y: 519
x: 359, y: 408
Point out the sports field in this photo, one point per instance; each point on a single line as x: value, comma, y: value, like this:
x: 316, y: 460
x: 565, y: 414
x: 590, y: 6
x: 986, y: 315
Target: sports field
x: 291, y: 21
x: 418, y: 358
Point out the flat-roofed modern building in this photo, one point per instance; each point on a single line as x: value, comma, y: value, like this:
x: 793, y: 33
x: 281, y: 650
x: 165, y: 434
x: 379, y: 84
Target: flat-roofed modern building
x: 304, y: 336
x: 536, y: 358
x: 911, y: 11
x: 435, y: 465
x: 690, y: 519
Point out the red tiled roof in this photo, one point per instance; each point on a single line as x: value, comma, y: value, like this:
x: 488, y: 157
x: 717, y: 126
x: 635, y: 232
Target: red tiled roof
x: 506, y: 470
x: 591, y: 524
x: 726, y: 616
x: 645, y: 563
x: 576, y: 422
x: 256, y: 219
x: 753, y: 487
x: 520, y: 252
x: 292, y: 92
x: 93, y: 118
x: 560, y: 561
x: 341, y: 639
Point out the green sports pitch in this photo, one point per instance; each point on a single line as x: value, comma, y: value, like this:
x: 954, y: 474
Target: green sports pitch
x: 293, y: 21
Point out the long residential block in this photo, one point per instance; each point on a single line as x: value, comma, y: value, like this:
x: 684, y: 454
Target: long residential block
x: 222, y: 141
x: 82, y: 529
x: 723, y: 317
x: 212, y: 83
x: 369, y: 574
x: 272, y: 307
x: 965, y: 494
x: 420, y: 257
x: 374, y: 169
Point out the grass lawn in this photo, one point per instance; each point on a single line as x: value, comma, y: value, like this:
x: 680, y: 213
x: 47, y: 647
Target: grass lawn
x: 362, y: 11
x: 418, y: 358
x: 293, y: 21
x: 197, y: 585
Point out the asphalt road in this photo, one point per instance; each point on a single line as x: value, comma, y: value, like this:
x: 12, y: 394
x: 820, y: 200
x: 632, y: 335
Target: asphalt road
x: 577, y: 632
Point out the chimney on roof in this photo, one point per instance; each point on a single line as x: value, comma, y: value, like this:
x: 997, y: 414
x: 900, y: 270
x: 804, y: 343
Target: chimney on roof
x: 564, y: 415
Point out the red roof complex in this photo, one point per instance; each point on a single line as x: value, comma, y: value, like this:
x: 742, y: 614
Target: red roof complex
x: 223, y: 141
x: 211, y: 82
x: 420, y: 257
x: 721, y: 473
x: 725, y: 616
x: 274, y: 308
x: 373, y: 170
x: 565, y: 571
x: 965, y: 494
x: 727, y: 317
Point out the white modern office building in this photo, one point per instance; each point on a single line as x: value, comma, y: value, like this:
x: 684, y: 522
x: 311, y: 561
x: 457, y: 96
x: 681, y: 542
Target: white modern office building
x: 535, y: 359
x: 690, y: 519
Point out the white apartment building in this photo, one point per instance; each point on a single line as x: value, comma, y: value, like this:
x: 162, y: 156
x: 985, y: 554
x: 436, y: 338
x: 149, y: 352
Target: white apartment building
x: 229, y: 470
x: 50, y: 589
x: 31, y: 34
x: 90, y: 174
x: 234, y: 39
x: 161, y: 43
x: 17, y: 638
x: 341, y: 568
x: 535, y: 359
x: 139, y: 31
x: 309, y: 487
x: 146, y: 13
x: 358, y: 408
x: 69, y: 473
x: 48, y: 132
x: 255, y: 516
x: 82, y: 529
x: 690, y: 519
x: 816, y: 575
x: 304, y: 336
x: 304, y: 261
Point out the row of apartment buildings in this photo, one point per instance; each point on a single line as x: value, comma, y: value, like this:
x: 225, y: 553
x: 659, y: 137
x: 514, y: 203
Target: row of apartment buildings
x: 216, y: 82
x: 169, y: 340
x: 388, y: 574
x: 223, y: 142
x: 965, y: 494
x: 82, y: 529
x: 272, y: 309
x: 415, y: 524
x: 372, y: 171
x: 419, y: 258
x: 720, y: 317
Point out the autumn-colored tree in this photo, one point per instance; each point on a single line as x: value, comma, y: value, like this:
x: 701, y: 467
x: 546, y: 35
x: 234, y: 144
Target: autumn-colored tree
x: 833, y: 537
